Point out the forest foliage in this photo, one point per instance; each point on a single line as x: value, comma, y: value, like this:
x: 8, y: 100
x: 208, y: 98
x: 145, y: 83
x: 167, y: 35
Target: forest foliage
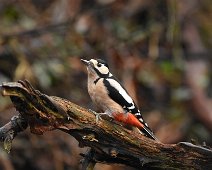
x: 160, y: 50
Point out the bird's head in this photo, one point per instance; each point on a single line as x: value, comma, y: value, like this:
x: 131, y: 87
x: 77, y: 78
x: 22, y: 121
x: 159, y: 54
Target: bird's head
x: 97, y: 67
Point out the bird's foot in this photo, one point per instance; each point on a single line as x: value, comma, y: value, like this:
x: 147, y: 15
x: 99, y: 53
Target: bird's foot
x: 98, y: 115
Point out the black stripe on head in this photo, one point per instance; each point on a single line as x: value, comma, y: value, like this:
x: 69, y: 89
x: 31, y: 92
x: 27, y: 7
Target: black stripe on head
x: 102, y: 62
x: 95, y: 81
x: 100, y: 74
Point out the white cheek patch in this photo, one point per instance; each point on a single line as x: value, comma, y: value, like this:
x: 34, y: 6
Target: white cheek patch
x: 103, y: 69
x: 117, y: 86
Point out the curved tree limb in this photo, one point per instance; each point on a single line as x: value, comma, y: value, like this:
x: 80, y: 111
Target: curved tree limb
x: 109, y: 142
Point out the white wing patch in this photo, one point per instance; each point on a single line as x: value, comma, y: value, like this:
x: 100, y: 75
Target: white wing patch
x: 137, y: 114
x: 117, y: 86
x: 132, y: 107
x: 141, y: 119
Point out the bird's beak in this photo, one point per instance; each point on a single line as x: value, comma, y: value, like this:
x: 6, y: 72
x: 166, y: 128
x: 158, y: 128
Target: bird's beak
x: 86, y: 62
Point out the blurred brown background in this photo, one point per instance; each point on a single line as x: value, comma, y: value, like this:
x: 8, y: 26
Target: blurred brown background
x: 160, y: 50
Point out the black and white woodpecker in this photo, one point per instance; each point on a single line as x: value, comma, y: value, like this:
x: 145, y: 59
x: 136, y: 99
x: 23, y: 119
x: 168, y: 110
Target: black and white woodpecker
x: 112, y: 98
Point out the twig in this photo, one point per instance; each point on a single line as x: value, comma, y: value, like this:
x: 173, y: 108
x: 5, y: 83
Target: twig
x: 88, y: 162
x: 11, y: 129
x: 39, y: 31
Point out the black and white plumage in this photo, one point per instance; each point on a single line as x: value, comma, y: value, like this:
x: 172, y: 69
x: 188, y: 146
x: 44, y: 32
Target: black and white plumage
x: 111, y: 97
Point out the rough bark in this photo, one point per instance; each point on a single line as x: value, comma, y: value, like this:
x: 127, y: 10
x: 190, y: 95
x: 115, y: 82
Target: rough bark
x: 109, y: 141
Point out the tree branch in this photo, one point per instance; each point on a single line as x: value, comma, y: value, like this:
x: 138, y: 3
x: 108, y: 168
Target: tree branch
x: 109, y: 141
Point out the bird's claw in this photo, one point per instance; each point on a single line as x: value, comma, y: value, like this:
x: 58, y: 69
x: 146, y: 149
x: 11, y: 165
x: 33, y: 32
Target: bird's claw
x: 98, y: 115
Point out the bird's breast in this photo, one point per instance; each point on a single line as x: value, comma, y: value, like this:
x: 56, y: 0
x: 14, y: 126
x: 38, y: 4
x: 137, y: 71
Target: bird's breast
x: 99, y: 95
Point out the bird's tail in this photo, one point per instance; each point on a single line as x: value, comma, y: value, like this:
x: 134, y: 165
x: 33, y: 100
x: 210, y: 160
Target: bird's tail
x: 130, y: 119
x: 147, y: 132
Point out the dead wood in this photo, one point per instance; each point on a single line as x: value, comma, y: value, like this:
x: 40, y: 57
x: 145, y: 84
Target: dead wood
x: 109, y: 141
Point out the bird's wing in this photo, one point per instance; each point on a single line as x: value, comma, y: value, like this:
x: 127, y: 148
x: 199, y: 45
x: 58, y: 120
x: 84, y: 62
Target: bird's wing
x: 118, y: 94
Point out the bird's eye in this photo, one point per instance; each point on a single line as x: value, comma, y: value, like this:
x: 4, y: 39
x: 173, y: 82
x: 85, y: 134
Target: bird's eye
x: 99, y: 65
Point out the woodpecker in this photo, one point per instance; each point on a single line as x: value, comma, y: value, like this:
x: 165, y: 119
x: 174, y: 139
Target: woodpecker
x: 111, y: 97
